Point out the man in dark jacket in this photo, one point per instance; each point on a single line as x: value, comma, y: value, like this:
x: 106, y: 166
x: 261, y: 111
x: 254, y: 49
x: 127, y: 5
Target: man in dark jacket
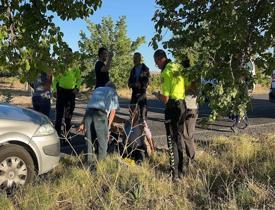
x: 139, y: 81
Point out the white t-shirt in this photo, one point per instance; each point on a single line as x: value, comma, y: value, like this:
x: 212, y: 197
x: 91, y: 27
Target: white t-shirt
x: 191, y: 102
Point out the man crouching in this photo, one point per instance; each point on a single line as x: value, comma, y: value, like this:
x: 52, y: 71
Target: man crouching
x: 98, y: 118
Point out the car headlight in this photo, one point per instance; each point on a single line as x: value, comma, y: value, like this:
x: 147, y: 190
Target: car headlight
x: 44, y: 130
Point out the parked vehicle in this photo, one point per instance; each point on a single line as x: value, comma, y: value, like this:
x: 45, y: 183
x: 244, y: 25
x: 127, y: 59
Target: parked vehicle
x: 29, y: 145
x: 272, y: 88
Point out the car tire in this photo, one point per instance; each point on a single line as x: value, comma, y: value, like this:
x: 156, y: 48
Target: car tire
x: 16, y: 166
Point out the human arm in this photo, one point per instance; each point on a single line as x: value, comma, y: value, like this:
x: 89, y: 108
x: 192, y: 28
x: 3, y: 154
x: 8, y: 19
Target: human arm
x: 131, y: 79
x: 111, y: 117
x: 165, y: 86
x: 81, y: 128
x: 113, y: 107
x: 54, y: 83
x: 144, y: 78
x: 82, y: 124
x: 164, y: 99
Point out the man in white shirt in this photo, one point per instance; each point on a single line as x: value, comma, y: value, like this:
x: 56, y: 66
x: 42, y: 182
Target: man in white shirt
x: 100, y: 112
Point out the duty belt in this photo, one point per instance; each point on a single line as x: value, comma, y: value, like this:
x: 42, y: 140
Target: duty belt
x: 174, y: 102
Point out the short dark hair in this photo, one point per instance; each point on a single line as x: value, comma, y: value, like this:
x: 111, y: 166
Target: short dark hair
x: 137, y: 53
x: 101, y: 50
x: 186, y: 62
x: 160, y: 54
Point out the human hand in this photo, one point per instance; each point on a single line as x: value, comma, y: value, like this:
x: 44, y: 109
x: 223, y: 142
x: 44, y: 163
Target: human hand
x: 81, y: 128
x: 75, y: 91
x: 156, y: 94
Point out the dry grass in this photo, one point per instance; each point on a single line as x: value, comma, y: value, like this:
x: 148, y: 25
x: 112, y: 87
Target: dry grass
x: 125, y: 93
x: 229, y: 173
x: 14, y: 92
x: 260, y: 89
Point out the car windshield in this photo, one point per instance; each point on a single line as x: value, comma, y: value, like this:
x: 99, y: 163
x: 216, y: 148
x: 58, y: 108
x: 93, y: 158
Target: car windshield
x: 21, y: 114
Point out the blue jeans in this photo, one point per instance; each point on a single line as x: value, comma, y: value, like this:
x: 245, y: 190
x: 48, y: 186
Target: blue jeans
x: 96, y: 124
x: 42, y: 105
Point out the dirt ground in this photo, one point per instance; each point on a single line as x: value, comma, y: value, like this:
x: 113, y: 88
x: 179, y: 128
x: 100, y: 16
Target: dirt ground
x: 14, y: 92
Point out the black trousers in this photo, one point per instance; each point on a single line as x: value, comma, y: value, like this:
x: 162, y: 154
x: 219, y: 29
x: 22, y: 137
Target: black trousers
x: 41, y: 104
x: 139, y: 99
x: 175, y: 112
x: 65, y: 104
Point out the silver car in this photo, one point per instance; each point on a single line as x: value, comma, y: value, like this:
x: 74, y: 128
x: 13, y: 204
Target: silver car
x: 29, y: 145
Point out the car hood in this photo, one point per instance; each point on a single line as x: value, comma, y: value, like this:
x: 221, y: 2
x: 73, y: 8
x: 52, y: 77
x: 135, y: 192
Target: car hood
x: 11, y: 112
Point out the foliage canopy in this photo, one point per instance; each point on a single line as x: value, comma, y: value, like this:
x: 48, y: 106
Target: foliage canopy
x: 223, y: 36
x: 29, y: 40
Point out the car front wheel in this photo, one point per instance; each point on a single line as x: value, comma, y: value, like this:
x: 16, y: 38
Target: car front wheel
x: 16, y: 166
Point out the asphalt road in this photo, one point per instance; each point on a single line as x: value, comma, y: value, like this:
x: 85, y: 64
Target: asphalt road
x: 261, y: 119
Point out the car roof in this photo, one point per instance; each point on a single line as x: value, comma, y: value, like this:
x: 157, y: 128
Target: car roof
x: 16, y: 113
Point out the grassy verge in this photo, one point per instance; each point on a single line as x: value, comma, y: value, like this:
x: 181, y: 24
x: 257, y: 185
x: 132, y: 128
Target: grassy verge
x: 229, y: 173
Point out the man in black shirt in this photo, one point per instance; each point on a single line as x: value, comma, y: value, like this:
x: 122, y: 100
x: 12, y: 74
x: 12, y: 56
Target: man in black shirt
x: 102, y: 70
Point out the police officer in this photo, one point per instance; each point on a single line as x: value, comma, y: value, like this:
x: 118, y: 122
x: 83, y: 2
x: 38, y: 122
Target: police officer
x: 173, y: 95
x: 65, y: 87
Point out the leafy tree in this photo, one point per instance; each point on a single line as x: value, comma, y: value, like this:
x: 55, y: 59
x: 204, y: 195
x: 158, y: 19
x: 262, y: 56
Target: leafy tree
x: 112, y: 36
x: 225, y: 36
x: 29, y: 40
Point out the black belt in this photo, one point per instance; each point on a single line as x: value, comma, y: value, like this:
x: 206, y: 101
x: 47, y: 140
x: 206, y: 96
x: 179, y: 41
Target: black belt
x: 174, y: 102
x: 64, y: 89
x: 98, y: 110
